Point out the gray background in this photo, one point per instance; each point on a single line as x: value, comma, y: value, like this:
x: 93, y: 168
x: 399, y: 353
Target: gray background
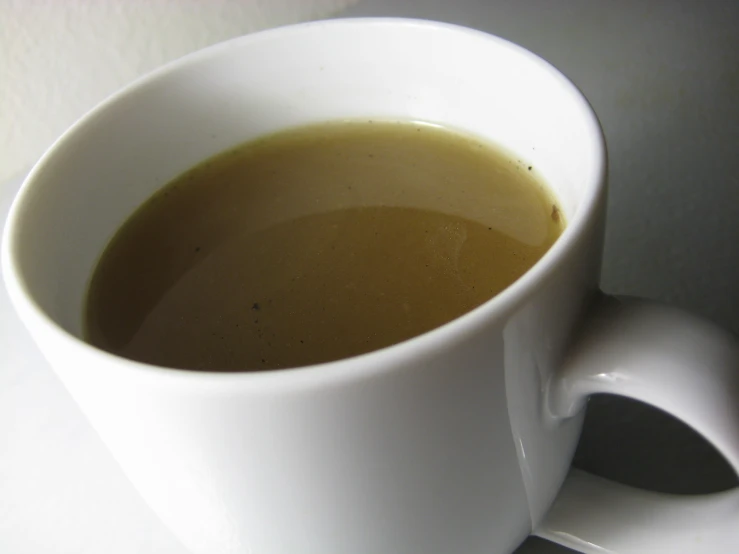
x: 663, y: 76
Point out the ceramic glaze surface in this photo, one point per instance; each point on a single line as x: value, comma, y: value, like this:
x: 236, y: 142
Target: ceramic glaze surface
x: 399, y: 408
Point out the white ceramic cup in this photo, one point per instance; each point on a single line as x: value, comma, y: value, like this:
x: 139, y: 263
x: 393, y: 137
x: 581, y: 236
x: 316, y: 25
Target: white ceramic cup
x: 456, y: 441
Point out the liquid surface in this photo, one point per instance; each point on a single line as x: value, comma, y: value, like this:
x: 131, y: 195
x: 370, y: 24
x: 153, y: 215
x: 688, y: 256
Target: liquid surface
x: 317, y: 244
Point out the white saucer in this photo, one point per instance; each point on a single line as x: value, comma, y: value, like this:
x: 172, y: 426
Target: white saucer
x: 61, y: 491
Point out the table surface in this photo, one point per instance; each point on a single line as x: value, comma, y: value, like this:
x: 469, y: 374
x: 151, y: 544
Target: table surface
x: 60, y: 490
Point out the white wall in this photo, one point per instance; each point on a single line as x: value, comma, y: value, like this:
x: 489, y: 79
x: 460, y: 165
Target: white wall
x: 58, y: 58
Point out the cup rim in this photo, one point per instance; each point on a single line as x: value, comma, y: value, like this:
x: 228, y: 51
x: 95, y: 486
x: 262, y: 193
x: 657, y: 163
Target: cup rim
x: 390, y: 358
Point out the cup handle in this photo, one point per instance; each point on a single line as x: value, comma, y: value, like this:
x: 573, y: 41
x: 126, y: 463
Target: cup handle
x: 680, y: 364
